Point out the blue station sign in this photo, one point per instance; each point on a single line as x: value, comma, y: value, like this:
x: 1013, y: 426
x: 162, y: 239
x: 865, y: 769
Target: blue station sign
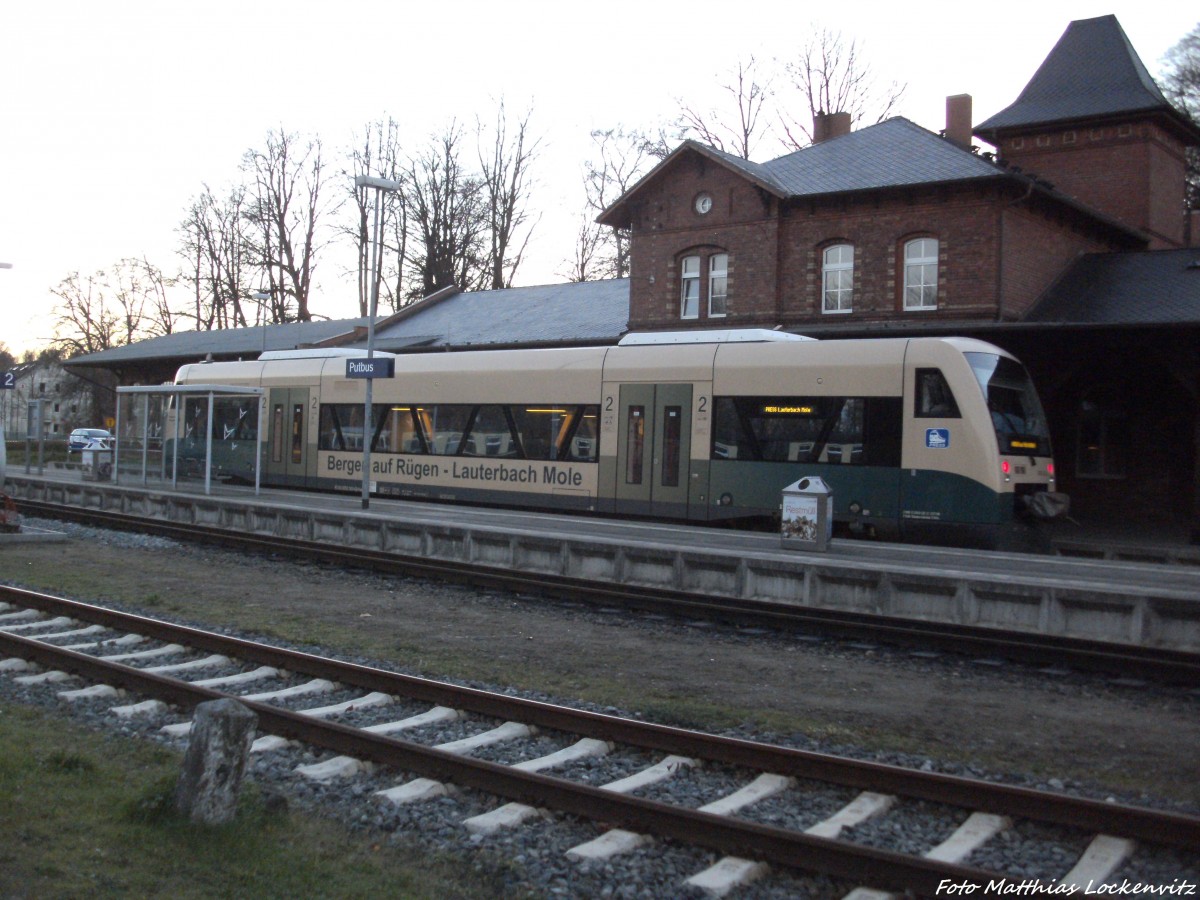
x: 375, y: 367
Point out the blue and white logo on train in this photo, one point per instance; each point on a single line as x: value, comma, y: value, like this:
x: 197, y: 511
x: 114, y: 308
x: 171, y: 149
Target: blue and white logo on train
x: 937, y: 438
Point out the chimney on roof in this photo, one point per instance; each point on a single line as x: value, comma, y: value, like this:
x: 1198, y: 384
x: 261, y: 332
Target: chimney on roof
x: 958, y: 120
x: 830, y: 125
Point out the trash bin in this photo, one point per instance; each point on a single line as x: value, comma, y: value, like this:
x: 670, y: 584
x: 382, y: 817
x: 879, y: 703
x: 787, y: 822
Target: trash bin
x: 97, y: 462
x: 807, y: 522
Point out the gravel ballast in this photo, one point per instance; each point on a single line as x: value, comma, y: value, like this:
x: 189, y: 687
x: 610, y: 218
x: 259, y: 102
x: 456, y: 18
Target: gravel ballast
x: 1085, y: 735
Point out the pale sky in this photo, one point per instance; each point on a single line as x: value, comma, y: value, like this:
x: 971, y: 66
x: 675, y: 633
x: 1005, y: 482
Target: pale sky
x: 115, y: 113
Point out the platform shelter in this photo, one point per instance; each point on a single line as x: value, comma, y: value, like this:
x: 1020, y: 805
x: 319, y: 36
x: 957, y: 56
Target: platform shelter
x: 165, y: 432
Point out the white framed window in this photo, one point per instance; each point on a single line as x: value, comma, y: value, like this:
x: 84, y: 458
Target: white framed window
x: 689, y: 287
x: 837, y: 279
x: 718, y: 284
x: 921, y: 273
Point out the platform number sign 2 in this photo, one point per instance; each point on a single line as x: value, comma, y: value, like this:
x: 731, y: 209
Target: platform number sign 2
x: 8, y: 381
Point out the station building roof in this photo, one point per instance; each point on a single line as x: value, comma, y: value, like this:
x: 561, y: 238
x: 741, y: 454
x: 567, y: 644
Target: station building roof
x: 577, y: 312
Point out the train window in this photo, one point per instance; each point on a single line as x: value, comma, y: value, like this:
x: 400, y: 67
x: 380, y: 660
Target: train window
x: 1013, y: 404
x: 341, y: 427
x: 446, y: 425
x: 837, y: 430
x: 555, y: 431
x: 635, y: 442
x: 298, y: 433
x: 583, y: 442
x: 396, y: 430
x: 277, y: 433
x: 672, y: 419
x: 490, y: 434
x: 934, y: 399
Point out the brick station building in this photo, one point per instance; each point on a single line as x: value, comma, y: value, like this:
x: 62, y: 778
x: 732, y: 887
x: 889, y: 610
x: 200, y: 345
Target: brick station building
x: 1069, y: 245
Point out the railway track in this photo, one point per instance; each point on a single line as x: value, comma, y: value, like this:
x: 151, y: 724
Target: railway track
x: 745, y: 806
x: 1123, y: 660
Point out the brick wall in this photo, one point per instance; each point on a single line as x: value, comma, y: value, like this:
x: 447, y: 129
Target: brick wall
x: 742, y: 222
x: 1037, y: 250
x: 1132, y: 171
x: 775, y: 250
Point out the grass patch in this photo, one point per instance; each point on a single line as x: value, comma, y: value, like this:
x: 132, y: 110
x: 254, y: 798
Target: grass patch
x: 90, y: 814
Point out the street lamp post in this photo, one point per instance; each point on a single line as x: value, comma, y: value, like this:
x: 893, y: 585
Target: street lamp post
x: 380, y: 186
x: 262, y: 297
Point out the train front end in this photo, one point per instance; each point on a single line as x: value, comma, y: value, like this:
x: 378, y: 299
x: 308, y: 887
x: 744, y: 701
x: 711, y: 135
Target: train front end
x: 1027, y: 478
x: 978, y: 468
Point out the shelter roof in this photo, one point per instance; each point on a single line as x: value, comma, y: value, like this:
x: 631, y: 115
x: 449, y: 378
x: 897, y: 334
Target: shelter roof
x: 584, y: 312
x: 225, y: 343
x: 1156, y: 287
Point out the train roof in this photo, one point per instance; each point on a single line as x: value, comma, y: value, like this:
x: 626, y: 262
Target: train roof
x: 709, y: 336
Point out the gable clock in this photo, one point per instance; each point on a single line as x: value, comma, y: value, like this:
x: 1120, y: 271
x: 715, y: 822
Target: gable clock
x: 703, y: 203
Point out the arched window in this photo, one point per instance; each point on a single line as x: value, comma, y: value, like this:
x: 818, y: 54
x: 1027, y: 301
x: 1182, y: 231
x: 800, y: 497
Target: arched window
x: 921, y: 273
x: 718, y: 284
x: 837, y: 279
x: 689, y: 287
x: 704, y: 277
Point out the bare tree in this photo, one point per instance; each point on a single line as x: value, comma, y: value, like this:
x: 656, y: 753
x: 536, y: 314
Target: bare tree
x: 1181, y: 83
x: 84, y: 322
x: 831, y: 76
x: 377, y: 153
x: 620, y: 159
x: 139, y: 291
x: 586, y: 263
x: 506, y: 186
x: 446, y: 212
x: 285, y: 212
x: 737, y: 132
x: 214, y: 247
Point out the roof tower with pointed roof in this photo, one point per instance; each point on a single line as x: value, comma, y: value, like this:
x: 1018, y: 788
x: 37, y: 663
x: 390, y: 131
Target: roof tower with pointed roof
x: 1093, y: 73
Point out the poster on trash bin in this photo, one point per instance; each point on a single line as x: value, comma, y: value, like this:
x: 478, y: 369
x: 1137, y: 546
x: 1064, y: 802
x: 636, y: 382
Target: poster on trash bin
x: 800, y: 517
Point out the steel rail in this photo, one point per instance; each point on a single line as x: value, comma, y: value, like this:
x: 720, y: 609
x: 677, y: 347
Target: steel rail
x: 1154, y: 826
x: 1150, y: 663
x: 894, y: 871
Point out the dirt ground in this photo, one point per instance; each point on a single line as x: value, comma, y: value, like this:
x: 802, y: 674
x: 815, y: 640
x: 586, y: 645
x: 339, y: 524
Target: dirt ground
x: 1090, y: 732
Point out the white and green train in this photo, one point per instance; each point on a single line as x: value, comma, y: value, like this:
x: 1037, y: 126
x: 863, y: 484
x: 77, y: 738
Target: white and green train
x: 926, y: 439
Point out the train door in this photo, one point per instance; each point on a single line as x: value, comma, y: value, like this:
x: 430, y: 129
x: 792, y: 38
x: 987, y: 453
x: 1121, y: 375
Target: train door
x: 288, y: 450
x: 654, y: 449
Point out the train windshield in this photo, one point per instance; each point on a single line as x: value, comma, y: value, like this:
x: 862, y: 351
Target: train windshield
x: 1013, y: 403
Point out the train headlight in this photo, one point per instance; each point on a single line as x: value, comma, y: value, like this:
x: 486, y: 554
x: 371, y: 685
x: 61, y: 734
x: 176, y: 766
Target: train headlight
x: 726, y: 500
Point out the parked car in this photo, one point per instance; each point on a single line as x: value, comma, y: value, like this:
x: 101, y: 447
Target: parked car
x: 91, y: 438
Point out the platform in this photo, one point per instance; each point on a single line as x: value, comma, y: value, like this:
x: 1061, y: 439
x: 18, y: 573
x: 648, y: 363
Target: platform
x: 1120, y: 600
